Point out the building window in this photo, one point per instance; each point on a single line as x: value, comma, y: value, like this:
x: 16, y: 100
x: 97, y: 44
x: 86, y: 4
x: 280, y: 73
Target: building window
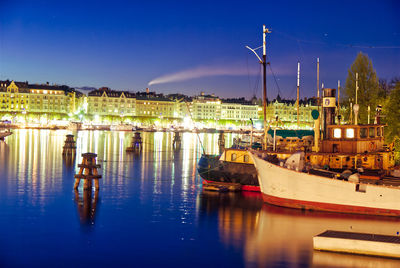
x: 233, y: 157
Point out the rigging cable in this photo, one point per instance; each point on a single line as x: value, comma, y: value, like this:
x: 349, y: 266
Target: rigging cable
x: 276, y: 81
x: 197, y: 134
x: 257, y: 82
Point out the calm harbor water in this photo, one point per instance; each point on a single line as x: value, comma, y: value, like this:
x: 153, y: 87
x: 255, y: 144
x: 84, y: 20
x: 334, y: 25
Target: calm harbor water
x: 150, y: 210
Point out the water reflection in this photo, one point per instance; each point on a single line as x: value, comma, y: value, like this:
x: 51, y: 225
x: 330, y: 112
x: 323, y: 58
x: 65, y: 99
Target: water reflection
x: 153, y: 197
x: 34, y: 169
x: 4, y: 152
x: 69, y: 161
x: 287, y: 234
x: 31, y: 160
x: 272, y: 236
x: 86, y: 203
x: 237, y: 214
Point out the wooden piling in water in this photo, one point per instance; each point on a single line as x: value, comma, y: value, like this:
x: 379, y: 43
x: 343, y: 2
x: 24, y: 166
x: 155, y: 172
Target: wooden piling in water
x: 69, y: 147
x: 88, y: 172
x: 221, y: 142
x: 137, y: 143
x: 177, y: 140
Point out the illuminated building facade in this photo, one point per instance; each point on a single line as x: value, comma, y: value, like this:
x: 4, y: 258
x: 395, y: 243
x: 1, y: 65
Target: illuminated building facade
x: 238, y: 109
x: 23, y: 97
x: 149, y: 104
x: 286, y: 110
x: 107, y: 102
x: 183, y: 105
x: 110, y: 102
x: 206, y: 107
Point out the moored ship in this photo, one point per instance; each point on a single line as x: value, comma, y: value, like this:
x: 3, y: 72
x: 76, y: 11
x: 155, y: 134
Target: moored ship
x: 297, y: 189
x: 359, y: 179
x: 235, y: 165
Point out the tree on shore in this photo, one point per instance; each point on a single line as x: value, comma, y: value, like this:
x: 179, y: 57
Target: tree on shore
x: 385, y: 86
x: 391, y: 111
x: 368, y: 87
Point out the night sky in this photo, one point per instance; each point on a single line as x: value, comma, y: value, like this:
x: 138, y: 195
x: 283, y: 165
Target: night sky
x: 126, y: 45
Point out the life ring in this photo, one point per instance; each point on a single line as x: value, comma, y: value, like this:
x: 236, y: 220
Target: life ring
x: 372, y: 146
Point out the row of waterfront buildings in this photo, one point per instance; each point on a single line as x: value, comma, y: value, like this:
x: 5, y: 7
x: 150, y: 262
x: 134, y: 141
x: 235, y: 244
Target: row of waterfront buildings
x: 25, y: 98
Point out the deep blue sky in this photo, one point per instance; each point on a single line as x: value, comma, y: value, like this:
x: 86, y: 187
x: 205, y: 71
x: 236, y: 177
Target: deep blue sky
x: 124, y: 45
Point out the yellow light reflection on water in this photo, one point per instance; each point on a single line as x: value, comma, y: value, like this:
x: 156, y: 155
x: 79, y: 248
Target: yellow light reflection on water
x: 121, y: 160
x: 33, y: 163
x: 187, y: 143
x: 36, y: 165
x: 158, y: 158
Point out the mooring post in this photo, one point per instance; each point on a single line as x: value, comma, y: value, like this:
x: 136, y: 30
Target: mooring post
x: 221, y: 142
x: 136, y: 145
x: 69, y: 146
x: 88, y: 172
x: 177, y: 140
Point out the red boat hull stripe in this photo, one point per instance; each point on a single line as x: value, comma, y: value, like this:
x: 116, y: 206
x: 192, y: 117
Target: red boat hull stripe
x: 309, y: 205
x: 250, y: 188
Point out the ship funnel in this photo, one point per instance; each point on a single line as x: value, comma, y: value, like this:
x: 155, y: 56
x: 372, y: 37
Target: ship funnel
x: 329, y: 107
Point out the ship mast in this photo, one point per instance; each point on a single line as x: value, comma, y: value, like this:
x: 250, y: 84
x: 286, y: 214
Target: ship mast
x: 317, y: 123
x: 264, y: 63
x: 318, y: 82
x: 356, y: 106
x: 356, y: 88
x: 338, y: 101
x: 298, y: 94
x: 318, y: 100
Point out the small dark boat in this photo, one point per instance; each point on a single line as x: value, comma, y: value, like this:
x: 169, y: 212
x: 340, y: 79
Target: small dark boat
x: 233, y: 166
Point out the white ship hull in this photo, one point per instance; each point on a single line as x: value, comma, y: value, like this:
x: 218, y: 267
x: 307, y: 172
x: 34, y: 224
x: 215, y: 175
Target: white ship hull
x: 289, y: 188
